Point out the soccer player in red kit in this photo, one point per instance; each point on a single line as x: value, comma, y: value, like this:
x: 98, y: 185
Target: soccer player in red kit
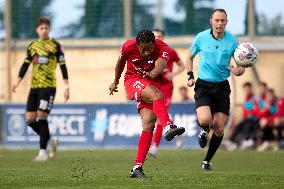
x: 146, y: 58
x: 166, y: 88
x: 271, y: 117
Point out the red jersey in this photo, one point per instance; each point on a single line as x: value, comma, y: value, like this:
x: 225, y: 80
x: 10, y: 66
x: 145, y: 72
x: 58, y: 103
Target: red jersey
x: 167, y: 86
x: 249, y: 107
x: 173, y: 58
x: 136, y: 63
x: 276, y: 110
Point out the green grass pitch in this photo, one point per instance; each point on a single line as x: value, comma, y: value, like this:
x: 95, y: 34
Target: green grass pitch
x: 171, y: 169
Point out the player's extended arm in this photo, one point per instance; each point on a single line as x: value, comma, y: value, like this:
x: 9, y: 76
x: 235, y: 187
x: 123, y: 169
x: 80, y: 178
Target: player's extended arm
x: 189, y: 68
x: 65, y: 80
x: 118, y: 71
x: 160, y: 65
x: 170, y: 75
x: 180, y: 68
x: 22, y: 72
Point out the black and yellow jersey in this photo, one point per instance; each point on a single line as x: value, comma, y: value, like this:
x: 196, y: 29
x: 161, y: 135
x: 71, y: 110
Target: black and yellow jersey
x: 44, y: 55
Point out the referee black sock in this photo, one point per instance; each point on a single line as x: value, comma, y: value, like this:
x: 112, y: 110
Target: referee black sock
x: 34, y: 125
x: 205, y: 128
x: 213, y: 146
x: 44, y: 133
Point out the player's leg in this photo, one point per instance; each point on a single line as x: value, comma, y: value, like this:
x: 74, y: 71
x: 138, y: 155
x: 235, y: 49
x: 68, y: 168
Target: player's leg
x: 148, y: 122
x: 46, y: 98
x: 32, y: 122
x: 266, y: 134
x: 245, y: 135
x: 236, y: 132
x: 219, y: 121
x: 44, y: 136
x: 151, y: 94
x: 220, y: 109
x: 31, y: 118
x: 203, y: 110
x: 204, y: 118
x: 279, y: 123
x: 158, y: 132
x: 157, y: 136
x: 31, y: 113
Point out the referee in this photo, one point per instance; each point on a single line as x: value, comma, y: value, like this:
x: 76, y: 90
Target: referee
x: 212, y: 90
x: 44, y: 54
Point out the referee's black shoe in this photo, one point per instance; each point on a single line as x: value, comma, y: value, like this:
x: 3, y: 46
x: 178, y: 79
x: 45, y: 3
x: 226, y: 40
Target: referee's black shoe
x: 206, y: 166
x: 137, y: 172
x: 173, y: 131
x: 203, y: 138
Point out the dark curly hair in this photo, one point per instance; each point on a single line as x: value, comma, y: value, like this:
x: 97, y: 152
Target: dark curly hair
x: 145, y: 36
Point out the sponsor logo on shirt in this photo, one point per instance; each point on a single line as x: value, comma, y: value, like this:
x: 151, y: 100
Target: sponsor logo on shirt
x: 40, y: 60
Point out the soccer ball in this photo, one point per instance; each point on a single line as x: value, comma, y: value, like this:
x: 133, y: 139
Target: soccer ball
x: 245, y: 55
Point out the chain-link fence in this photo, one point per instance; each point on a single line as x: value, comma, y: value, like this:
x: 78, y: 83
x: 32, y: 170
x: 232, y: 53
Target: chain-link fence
x: 106, y: 19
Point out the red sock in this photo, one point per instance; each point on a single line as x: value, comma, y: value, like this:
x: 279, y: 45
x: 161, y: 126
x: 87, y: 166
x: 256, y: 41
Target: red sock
x: 157, y: 135
x: 143, y: 147
x: 160, y: 110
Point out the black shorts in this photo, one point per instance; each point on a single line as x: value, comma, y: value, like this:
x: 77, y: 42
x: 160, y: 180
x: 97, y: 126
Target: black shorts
x: 41, y: 99
x: 214, y: 95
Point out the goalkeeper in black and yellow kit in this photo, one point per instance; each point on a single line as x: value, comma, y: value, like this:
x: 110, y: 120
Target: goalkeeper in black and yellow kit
x: 44, y: 54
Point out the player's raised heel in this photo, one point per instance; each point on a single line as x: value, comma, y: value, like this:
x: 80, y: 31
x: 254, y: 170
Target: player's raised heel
x: 137, y: 172
x: 174, y: 131
x: 153, y: 151
x: 203, y: 138
x: 53, y: 148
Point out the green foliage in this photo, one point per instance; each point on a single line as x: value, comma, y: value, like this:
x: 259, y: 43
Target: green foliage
x: 25, y: 15
x: 106, y: 19
x: 272, y: 26
x: 141, y: 17
x: 1, y: 19
x: 196, y: 18
x: 103, y: 18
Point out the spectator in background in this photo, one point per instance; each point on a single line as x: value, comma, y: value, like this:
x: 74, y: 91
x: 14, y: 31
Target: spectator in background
x: 184, y: 94
x: 271, y: 118
x: 260, y: 100
x: 262, y: 89
x: 244, y: 134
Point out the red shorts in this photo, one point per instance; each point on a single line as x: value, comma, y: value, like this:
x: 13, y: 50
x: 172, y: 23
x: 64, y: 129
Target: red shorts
x: 167, y: 91
x: 134, y: 87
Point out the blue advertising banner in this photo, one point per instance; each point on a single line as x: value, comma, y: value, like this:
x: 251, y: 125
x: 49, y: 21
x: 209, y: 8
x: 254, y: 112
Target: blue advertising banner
x: 94, y: 125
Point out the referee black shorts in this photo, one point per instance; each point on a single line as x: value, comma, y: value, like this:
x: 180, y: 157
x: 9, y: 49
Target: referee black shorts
x: 214, y: 95
x: 41, y: 99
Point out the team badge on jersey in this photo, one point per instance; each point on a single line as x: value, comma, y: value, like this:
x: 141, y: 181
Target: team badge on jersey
x: 165, y: 55
x: 48, y: 47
